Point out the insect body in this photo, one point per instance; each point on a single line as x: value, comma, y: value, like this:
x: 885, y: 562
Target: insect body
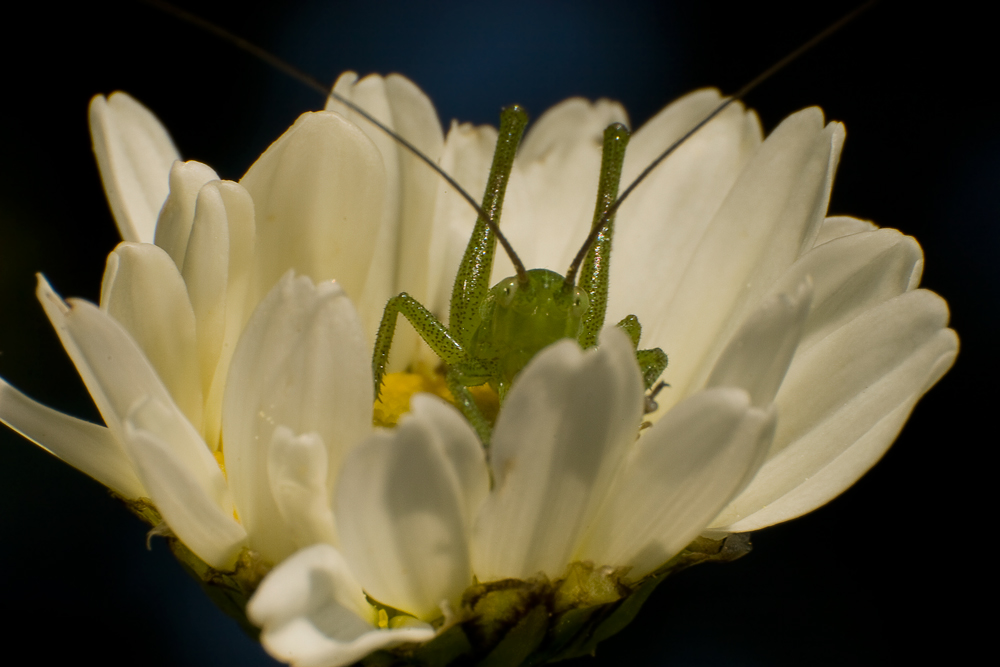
x: 493, y: 333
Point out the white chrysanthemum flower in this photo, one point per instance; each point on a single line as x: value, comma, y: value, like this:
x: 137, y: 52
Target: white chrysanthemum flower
x: 237, y: 395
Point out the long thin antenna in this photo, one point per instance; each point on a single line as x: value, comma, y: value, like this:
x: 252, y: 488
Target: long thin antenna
x: 574, y: 267
x: 315, y: 84
x: 312, y: 82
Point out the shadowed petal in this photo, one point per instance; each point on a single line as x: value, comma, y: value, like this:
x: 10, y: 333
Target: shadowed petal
x: 677, y: 478
x: 565, y: 425
x: 401, y: 508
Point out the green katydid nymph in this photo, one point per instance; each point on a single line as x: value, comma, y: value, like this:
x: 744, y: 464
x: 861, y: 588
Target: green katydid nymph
x: 492, y: 333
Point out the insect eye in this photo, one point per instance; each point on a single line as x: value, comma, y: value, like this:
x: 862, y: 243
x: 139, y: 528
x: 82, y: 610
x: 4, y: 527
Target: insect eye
x: 508, y: 289
x: 580, y: 303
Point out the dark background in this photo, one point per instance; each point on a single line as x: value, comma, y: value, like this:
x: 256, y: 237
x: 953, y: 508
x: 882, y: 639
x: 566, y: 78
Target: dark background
x: 885, y: 573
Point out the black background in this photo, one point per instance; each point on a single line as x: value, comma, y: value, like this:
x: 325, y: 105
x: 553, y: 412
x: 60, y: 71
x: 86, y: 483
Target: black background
x: 885, y: 573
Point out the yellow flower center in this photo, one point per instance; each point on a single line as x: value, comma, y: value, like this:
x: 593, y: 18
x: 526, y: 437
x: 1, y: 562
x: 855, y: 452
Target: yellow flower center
x: 397, y: 388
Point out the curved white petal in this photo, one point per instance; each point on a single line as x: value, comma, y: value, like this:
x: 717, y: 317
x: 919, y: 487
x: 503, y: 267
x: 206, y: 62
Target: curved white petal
x: 676, y: 479
x: 318, y: 194
x: 851, y: 274
x: 145, y: 293
x: 303, y: 363
x: 87, y: 447
x: 401, y: 509
x: 402, y: 249
x: 173, y: 227
x: 772, y: 214
x: 297, y: 469
x: 757, y: 357
x: 134, y: 153
x: 564, y: 428
x: 114, y: 369
x: 313, y: 614
x: 842, y: 404
x: 216, y: 271
x: 660, y: 225
x: 184, y: 482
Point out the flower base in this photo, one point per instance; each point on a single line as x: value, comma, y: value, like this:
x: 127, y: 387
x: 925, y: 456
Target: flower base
x: 505, y: 623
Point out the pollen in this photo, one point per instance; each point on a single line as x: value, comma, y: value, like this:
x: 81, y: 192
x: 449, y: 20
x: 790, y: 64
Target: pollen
x: 398, y: 388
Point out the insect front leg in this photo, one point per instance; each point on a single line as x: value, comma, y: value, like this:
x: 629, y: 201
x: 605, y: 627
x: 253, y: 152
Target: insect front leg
x: 435, y: 334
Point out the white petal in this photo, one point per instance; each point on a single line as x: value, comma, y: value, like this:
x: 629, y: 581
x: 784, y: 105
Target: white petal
x: 851, y: 274
x: 401, y: 511
x: 134, y: 153
x: 87, y: 447
x: 562, y: 432
x: 415, y: 118
x: 173, y: 228
x: 217, y: 273
x: 302, y: 362
x: 370, y: 94
x: 318, y: 194
x: 184, y: 482
x: 842, y: 404
x: 313, y: 614
x: 297, y: 469
x: 660, y: 225
x: 837, y: 226
x: 771, y: 215
x: 116, y: 372
x: 402, y: 250
x: 757, y: 357
x: 144, y: 292
x: 677, y: 478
